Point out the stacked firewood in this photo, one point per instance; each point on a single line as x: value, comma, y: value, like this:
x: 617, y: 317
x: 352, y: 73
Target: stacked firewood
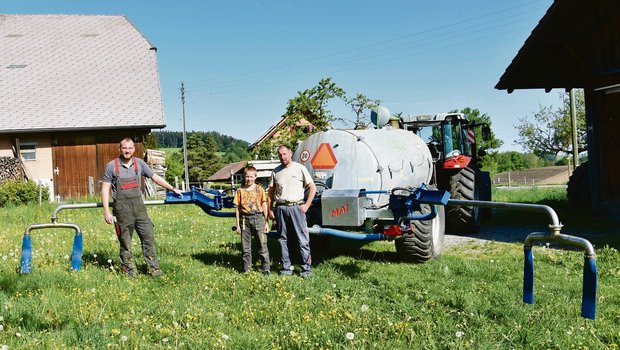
x: 157, y: 161
x: 10, y: 169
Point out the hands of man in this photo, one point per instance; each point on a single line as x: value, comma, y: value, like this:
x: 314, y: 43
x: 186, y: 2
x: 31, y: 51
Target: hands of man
x: 108, y: 218
x: 272, y: 216
x: 304, y: 207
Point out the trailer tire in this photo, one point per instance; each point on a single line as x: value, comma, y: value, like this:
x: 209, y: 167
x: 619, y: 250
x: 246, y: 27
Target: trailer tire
x: 578, y: 189
x: 426, y: 240
x: 464, y: 185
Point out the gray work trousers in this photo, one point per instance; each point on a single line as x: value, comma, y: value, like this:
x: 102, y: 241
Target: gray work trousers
x: 131, y: 215
x: 254, y: 225
x: 292, y: 221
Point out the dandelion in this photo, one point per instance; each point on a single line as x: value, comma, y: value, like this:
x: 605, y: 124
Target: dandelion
x: 4, y: 257
x: 18, y: 334
x: 165, y: 340
x: 459, y: 334
x: 124, y: 338
x: 95, y: 256
x: 109, y: 261
x: 93, y: 290
x: 4, y: 347
x: 1, y: 328
x: 334, y: 285
x: 350, y: 335
x: 225, y: 337
x: 292, y: 333
x: 364, y: 308
x: 66, y: 257
x: 219, y: 314
x: 1, y: 318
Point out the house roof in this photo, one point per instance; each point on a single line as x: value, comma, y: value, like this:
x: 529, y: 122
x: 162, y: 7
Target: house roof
x: 226, y: 172
x: 575, y: 45
x: 268, y: 134
x: 275, y: 129
x: 72, y: 72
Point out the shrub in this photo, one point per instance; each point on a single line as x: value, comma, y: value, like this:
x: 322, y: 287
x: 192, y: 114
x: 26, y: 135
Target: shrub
x: 20, y: 192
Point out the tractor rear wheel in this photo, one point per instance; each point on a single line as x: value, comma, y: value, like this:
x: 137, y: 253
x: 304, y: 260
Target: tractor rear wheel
x: 464, y: 185
x: 578, y: 190
x: 426, y: 240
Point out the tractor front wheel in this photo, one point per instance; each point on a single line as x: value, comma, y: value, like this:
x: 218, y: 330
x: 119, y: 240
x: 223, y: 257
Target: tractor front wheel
x: 464, y: 185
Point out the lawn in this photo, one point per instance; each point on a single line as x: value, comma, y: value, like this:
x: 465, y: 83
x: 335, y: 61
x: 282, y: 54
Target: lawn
x: 361, y: 297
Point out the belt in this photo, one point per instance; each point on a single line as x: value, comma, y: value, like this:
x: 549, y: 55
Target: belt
x: 251, y: 214
x: 289, y: 204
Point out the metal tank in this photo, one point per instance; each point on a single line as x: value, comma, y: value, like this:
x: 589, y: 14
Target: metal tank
x: 370, y: 159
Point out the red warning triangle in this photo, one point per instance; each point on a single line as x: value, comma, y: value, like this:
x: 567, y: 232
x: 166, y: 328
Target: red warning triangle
x: 324, y: 157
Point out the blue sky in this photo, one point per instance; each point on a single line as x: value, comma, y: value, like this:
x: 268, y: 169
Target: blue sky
x: 241, y: 61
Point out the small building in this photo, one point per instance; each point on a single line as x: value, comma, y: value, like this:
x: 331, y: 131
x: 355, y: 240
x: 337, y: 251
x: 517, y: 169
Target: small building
x: 233, y: 173
x: 577, y: 45
x: 71, y: 87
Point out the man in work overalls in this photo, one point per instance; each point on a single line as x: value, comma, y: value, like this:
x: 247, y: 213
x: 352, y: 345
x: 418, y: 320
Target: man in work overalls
x: 124, y: 176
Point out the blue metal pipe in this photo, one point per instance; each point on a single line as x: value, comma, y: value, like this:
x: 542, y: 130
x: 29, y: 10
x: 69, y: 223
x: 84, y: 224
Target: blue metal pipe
x: 358, y: 236
x: 528, y: 276
x: 26, y: 260
x: 76, y: 253
x: 427, y: 216
x: 590, y: 282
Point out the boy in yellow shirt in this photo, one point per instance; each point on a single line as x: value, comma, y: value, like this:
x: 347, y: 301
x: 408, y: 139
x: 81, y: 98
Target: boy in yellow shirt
x: 251, y: 214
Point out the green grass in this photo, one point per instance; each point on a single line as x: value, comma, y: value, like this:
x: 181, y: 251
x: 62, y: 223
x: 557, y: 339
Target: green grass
x: 469, y: 298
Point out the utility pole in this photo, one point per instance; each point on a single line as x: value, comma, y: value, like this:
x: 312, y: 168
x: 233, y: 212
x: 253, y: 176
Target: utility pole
x: 184, y: 139
x: 573, y: 121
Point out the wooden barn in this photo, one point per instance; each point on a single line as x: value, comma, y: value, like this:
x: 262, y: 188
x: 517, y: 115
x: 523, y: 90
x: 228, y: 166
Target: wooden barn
x: 577, y: 45
x: 71, y: 87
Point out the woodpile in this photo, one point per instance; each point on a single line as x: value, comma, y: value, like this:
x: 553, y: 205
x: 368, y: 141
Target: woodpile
x: 157, y: 161
x: 10, y: 169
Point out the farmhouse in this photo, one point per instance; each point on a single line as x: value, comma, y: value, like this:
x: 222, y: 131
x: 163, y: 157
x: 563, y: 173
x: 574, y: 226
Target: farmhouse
x: 577, y: 45
x: 71, y: 87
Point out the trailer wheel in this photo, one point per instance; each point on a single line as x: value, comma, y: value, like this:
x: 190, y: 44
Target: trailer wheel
x: 464, y: 185
x: 426, y: 240
x: 578, y: 190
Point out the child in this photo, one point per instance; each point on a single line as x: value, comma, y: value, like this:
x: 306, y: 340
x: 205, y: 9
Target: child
x: 251, y: 214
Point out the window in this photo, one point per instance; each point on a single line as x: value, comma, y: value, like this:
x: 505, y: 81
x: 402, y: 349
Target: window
x: 28, y: 150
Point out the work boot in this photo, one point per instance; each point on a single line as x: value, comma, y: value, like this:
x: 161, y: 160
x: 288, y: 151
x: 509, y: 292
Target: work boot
x: 156, y: 273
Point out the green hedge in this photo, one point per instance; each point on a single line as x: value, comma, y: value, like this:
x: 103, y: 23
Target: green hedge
x: 20, y: 192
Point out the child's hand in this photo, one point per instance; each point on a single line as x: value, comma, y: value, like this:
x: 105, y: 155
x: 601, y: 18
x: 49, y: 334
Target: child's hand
x: 238, y: 229
x: 266, y: 226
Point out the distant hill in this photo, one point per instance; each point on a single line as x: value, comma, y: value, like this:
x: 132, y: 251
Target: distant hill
x: 552, y: 175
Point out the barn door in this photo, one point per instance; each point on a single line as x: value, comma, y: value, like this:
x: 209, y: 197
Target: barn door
x: 75, y: 165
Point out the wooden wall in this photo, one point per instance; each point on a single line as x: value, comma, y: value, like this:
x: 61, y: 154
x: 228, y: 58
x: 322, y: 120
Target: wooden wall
x: 80, y: 159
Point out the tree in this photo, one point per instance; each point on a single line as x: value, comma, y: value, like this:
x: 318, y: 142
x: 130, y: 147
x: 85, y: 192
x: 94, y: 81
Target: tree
x: 150, y: 141
x: 311, y: 105
x: 174, y: 167
x: 474, y: 116
x: 550, y: 133
x: 202, y: 161
x: 359, y: 105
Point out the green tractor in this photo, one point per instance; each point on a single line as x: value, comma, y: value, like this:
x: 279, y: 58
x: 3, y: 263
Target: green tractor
x: 452, y: 141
